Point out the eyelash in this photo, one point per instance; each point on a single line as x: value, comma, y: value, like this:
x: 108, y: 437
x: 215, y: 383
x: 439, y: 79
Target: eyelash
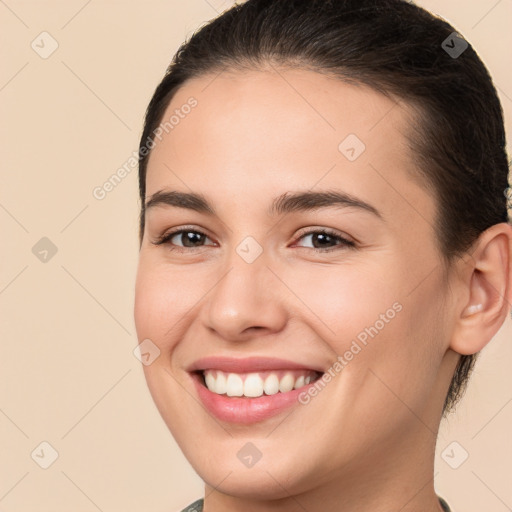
x: 344, y: 243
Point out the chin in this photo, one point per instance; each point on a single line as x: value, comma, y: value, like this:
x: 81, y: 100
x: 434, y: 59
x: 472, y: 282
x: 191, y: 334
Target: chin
x: 252, y: 486
x: 265, y: 480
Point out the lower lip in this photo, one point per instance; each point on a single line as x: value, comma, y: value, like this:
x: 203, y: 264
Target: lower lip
x: 246, y: 410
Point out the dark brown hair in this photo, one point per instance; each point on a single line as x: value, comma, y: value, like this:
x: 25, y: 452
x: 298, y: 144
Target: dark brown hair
x: 396, y: 48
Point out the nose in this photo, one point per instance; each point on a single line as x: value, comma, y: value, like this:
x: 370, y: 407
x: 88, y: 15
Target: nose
x: 247, y: 300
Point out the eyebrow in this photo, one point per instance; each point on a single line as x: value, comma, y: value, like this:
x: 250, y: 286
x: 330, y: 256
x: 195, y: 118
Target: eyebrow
x: 285, y: 203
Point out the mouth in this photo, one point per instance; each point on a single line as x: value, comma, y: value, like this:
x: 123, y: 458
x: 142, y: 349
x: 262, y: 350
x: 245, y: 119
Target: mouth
x: 248, y: 391
x: 251, y: 390
x: 255, y: 384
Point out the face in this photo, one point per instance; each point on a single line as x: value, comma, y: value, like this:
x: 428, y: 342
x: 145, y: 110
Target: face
x: 344, y: 281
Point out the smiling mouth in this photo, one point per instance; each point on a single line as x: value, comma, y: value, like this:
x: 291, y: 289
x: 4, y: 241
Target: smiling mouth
x: 255, y: 384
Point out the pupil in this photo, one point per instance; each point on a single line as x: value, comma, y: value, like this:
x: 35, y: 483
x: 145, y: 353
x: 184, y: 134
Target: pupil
x: 189, y: 238
x: 322, y: 237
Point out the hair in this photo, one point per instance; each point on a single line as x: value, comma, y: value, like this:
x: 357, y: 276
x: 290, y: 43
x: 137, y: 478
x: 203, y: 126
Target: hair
x: 396, y: 48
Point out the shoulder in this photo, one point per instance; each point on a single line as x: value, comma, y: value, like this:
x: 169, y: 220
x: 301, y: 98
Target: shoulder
x: 197, y: 506
x: 445, y: 506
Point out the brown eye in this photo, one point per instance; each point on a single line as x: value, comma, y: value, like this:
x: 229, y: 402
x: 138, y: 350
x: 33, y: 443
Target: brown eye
x: 188, y: 238
x: 183, y: 239
x: 324, y: 240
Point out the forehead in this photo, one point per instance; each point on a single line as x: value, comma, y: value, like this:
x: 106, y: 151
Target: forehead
x: 257, y: 132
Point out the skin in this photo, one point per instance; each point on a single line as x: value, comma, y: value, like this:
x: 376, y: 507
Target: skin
x: 367, y: 440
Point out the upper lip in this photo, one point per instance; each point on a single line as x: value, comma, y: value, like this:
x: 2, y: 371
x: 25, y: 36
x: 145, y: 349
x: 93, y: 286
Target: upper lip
x: 247, y: 365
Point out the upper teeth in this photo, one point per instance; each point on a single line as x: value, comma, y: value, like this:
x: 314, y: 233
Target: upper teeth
x: 254, y: 384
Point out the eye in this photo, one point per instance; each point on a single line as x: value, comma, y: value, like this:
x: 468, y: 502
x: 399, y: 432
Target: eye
x: 182, y: 239
x: 325, y: 240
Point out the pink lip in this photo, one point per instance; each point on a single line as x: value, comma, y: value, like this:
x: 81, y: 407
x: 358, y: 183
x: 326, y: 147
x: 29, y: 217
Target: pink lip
x: 243, y: 410
x: 251, y: 364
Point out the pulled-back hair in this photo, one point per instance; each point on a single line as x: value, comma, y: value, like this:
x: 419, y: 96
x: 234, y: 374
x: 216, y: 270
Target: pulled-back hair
x: 398, y: 49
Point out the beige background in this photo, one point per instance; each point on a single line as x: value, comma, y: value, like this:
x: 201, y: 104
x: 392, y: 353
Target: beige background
x: 68, y: 373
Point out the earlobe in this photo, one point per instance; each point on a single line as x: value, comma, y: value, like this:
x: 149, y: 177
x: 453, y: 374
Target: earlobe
x: 488, y: 279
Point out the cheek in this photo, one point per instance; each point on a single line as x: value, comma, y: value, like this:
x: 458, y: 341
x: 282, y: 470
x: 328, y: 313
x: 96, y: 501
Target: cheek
x: 163, y: 297
x: 405, y: 355
x: 371, y: 319
x: 343, y: 301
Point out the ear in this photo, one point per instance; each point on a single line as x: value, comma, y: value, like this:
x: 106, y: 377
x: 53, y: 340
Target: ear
x: 486, y: 290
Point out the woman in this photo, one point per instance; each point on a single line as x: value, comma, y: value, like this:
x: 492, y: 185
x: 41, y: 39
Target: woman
x: 324, y: 250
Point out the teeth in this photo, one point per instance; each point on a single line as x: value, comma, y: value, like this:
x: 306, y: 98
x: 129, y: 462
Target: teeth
x: 256, y: 384
x: 234, y: 385
x: 299, y: 382
x: 253, y: 385
x: 271, y: 384
x: 286, y: 383
x: 221, y: 384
